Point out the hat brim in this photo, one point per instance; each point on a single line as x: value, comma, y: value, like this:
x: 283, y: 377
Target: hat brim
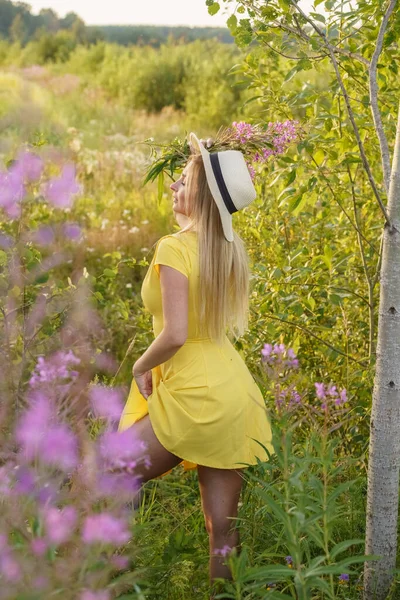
x: 226, y: 217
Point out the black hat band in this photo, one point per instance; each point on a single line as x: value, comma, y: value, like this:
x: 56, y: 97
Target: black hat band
x: 216, y: 167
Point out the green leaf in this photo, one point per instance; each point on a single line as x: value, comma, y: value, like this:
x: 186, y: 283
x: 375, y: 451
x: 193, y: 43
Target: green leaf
x: 214, y: 8
x: 318, y: 17
x: 160, y: 186
x: 342, y: 546
x: 292, y: 177
x: 232, y: 22
x: 109, y: 273
x: 291, y: 73
x: 297, y: 203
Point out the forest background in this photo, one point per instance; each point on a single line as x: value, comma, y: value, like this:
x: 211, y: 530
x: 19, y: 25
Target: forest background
x: 92, y: 96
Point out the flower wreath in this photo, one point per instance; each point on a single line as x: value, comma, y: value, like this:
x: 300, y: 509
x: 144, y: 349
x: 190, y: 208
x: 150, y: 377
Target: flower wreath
x: 259, y: 144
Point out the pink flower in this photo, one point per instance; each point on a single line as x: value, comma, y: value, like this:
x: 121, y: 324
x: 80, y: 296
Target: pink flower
x: 59, y: 448
x: 29, y: 165
x: 56, y: 366
x: 244, y: 131
x: 94, y: 595
x: 39, y: 546
x: 223, y: 551
x: 60, y: 190
x: 12, y: 191
x: 44, y: 236
x: 320, y: 391
x: 40, y: 436
x: 106, y: 402
x: 104, y: 528
x: 9, y: 567
x: 60, y: 524
x: 120, y: 562
x: 72, y: 231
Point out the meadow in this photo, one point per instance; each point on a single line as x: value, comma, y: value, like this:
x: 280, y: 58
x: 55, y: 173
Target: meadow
x: 302, y: 515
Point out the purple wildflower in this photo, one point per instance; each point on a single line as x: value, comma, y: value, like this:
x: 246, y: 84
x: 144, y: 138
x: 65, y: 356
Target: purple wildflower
x: 60, y: 524
x: 106, y: 402
x: 39, y: 546
x: 29, y: 166
x: 59, y: 448
x: 25, y: 481
x: 9, y: 567
x: 40, y: 437
x: 119, y: 454
x: 105, y: 528
x: 32, y: 426
x: 12, y: 191
x: 251, y: 171
x: 94, y: 595
x: 289, y: 561
x: 223, y: 551
x: 72, y: 231
x: 54, y: 367
x: 6, y: 241
x: 44, y: 236
x: 120, y: 562
x: 267, y: 350
x: 60, y: 190
x: 320, y: 391
x: 244, y: 131
x: 344, y: 578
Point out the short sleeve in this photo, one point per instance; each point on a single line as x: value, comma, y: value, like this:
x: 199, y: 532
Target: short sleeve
x: 172, y: 253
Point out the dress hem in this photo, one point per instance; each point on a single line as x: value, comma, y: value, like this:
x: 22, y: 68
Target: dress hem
x: 195, y: 462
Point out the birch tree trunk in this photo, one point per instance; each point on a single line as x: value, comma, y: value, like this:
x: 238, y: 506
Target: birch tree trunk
x: 384, y: 445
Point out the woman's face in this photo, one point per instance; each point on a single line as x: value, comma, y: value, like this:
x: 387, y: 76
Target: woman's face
x: 178, y: 187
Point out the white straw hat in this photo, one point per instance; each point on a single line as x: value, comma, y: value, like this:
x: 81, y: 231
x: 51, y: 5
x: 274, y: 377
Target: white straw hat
x: 229, y: 181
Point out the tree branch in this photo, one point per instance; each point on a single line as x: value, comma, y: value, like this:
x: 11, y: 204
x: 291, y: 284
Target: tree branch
x: 349, y: 111
x: 373, y: 94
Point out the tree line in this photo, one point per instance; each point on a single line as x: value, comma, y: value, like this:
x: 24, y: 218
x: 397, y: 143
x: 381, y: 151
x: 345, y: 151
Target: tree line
x: 18, y: 24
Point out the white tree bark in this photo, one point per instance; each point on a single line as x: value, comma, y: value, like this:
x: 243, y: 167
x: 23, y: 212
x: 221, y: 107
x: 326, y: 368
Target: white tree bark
x: 384, y: 446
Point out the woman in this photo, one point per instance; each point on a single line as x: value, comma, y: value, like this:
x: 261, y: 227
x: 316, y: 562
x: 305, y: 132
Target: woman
x: 192, y: 397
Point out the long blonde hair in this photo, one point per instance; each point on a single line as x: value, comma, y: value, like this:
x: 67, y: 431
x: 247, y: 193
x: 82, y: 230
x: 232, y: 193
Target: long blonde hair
x: 223, y: 300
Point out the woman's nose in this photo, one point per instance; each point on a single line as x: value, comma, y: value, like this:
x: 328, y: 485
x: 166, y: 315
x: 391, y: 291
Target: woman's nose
x: 172, y: 186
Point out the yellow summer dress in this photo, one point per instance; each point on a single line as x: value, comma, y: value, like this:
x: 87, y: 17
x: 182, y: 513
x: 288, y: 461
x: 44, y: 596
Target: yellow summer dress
x: 205, y: 406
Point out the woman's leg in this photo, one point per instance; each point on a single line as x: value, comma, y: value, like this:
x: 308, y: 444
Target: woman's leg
x: 220, y: 492
x: 161, y: 460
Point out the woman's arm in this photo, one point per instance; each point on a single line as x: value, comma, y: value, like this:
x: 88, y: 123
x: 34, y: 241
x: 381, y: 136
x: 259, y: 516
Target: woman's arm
x: 175, y: 295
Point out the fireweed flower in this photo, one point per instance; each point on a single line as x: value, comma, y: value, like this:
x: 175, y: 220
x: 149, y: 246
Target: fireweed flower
x: 118, y: 455
x: 28, y: 165
x: 223, y: 551
x: 59, y: 524
x: 60, y: 190
x: 41, y: 436
x: 278, y: 357
x: 243, y: 131
x: 330, y: 393
x: 12, y: 192
x: 106, y: 402
x: 104, y: 528
x: 72, y: 231
x: 55, y: 366
x: 94, y: 595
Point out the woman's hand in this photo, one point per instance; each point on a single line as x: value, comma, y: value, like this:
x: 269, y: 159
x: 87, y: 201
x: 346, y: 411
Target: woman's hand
x: 144, y: 382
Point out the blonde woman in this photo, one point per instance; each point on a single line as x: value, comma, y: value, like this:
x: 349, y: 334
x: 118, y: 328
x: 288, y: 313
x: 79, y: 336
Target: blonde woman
x: 193, y: 400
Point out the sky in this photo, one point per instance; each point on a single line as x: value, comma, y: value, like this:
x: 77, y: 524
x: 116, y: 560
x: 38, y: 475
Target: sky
x: 139, y: 12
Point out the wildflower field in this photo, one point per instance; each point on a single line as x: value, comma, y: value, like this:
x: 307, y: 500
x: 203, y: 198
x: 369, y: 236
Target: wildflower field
x: 77, y: 229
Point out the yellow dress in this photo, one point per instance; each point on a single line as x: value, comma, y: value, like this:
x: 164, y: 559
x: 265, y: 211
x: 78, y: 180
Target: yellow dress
x: 205, y: 406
